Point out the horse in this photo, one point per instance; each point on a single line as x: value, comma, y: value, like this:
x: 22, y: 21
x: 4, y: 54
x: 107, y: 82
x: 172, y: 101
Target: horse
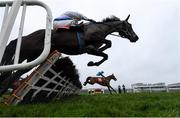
x: 104, y: 81
x: 91, y: 41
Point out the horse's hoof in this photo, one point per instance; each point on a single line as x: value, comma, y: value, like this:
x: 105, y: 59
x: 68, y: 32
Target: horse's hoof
x: 90, y: 63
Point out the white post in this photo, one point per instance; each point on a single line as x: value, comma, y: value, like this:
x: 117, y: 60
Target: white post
x: 18, y: 46
x: 5, y: 16
x: 5, y: 33
x: 150, y: 88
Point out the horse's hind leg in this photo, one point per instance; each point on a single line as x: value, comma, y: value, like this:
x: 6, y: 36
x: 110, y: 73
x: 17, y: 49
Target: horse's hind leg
x: 85, y: 83
x: 88, y: 78
x: 8, y: 82
x: 4, y: 75
x: 5, y: 84
x: 92, y: 50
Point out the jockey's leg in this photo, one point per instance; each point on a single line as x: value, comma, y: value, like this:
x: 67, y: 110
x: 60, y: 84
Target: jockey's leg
x: 78, y: 28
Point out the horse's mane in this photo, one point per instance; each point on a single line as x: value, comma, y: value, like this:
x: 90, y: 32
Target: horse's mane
x: 111, y: 18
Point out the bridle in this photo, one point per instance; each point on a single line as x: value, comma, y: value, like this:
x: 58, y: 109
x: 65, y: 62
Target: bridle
x: 113, y: 29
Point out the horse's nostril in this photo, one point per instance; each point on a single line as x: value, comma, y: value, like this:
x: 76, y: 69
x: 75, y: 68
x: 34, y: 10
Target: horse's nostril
x: 136, y: 37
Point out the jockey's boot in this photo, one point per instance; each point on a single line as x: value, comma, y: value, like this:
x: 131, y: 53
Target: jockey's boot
x: 79, y: 28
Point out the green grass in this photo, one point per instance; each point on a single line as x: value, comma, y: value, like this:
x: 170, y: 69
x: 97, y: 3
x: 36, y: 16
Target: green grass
x: 139, y: 104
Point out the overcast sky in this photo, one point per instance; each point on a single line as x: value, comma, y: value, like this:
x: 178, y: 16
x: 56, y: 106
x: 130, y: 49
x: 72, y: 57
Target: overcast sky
x: 155, y: 57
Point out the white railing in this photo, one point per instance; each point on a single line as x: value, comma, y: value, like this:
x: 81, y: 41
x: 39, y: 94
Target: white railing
x: 8, y: 22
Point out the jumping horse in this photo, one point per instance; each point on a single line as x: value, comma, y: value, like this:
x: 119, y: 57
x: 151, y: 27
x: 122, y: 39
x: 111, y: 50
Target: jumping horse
x: 91, y: 41
x: 104, y: 81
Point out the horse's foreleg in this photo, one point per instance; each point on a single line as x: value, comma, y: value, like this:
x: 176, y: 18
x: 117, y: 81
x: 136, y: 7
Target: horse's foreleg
x: 92, y: 50
x: 113, y: 89
x: 107, y: 45
x: 109, y: 90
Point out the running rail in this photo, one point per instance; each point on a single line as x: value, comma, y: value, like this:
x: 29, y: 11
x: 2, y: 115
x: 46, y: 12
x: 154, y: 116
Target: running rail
x: 8, y: 22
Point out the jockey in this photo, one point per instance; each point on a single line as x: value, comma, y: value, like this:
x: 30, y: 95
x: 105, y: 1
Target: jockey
x: 69, y: 19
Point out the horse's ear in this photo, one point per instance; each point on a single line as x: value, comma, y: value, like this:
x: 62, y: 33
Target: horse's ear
x: 127, y: 18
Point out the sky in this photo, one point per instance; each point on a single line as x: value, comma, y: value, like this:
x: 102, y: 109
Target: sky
x: 154, y: 58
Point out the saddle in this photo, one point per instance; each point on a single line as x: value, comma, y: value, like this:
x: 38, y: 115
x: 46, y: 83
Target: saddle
x: 79, y: 30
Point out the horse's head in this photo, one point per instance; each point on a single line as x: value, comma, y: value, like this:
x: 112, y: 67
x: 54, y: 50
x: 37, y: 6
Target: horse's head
x: 113, y: 77
x: 125, y: 30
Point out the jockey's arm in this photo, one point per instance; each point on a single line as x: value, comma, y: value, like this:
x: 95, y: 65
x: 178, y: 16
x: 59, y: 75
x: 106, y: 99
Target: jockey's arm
x: 78, y: 16
x: 87, y: 19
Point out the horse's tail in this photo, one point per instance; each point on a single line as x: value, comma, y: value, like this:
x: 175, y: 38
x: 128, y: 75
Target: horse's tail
x: 7, y: 59
x: 9, y: 53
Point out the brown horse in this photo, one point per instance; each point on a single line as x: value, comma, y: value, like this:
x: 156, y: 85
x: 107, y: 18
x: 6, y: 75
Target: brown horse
x: 104, y: 81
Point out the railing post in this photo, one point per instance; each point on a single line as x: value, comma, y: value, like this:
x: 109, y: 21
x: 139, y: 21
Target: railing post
x: 18, y: 46
x: 5, y: 16
x: 7, y: 27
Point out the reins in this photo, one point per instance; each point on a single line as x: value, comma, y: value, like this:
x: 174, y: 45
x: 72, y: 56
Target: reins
x: 113, y: 34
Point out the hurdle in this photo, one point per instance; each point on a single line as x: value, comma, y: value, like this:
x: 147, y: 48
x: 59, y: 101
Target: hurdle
x: 37, y: 87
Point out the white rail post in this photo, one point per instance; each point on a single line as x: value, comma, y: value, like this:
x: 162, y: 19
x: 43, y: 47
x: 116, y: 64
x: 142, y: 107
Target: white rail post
x: 7, y: 27
x: 5, y: 16
x: 18, y: 46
